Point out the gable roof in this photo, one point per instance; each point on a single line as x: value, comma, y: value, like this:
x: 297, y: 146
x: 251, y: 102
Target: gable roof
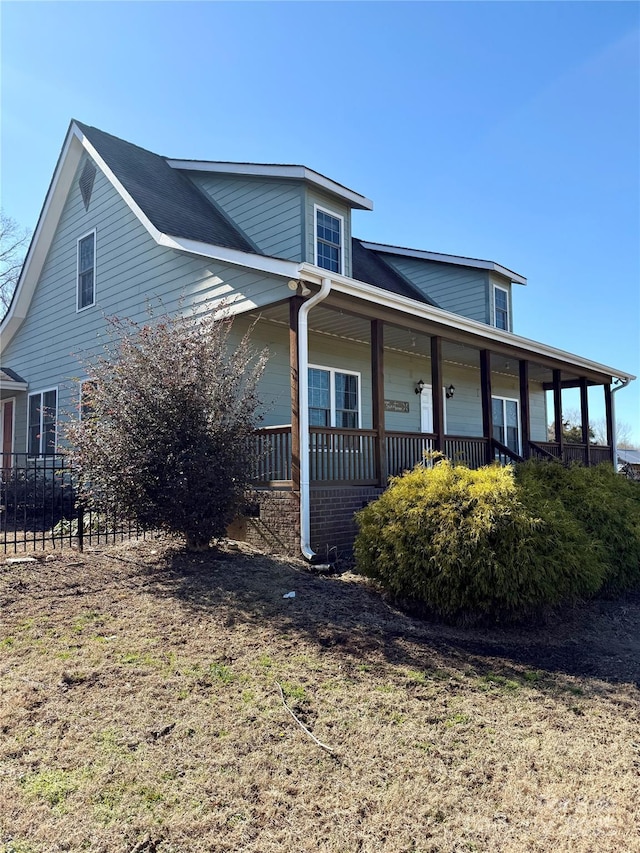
x: 284, y: 171
x: 168, y: 198
x: 369, y: 267
x: 439, y: 257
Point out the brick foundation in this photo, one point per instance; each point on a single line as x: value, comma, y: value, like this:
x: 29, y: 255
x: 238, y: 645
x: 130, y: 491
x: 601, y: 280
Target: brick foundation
x: 333, y: 529
x: 275, y: 527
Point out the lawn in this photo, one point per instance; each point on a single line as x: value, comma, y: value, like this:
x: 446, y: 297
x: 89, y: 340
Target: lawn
x: 141, y: 710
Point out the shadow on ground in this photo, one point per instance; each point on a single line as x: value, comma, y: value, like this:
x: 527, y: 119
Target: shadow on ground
x: 598, y: 639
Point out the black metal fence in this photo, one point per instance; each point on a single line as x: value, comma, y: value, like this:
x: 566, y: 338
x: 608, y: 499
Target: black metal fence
x: 39, y: 508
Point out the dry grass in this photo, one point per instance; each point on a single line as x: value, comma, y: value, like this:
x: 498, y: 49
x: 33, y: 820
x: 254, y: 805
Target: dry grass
x: 140, y: 712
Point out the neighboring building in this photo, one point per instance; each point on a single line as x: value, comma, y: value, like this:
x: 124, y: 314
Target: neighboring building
x: 629, y: 463
x: 377, y: 352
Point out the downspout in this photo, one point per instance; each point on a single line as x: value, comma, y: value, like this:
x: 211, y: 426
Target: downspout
x: 614, y: 450
x: 303, y: 417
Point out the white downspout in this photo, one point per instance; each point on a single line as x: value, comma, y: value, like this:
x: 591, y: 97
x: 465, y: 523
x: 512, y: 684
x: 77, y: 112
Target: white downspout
x: 614, y: 449
x: 303, y: 416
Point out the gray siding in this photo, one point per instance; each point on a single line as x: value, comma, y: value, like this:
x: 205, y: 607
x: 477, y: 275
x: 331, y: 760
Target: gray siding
x: 462, y: 290
x: 131, y: 270
x: 333, y: 205
x: 269, y: 211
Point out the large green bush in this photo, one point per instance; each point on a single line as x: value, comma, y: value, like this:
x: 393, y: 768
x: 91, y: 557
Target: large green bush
x: 605, y: 505
x: 467, y: 544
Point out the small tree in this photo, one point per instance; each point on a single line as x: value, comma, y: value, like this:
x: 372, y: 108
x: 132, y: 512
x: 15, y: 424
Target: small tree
x: 13, y: 246
x: 166, y: 422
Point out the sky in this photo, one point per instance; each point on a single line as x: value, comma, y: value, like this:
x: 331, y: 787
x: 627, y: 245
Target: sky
x: 507, y: 131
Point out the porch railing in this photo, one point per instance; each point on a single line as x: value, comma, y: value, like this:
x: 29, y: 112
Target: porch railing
x: 350, y: 455
x: 342, y: 455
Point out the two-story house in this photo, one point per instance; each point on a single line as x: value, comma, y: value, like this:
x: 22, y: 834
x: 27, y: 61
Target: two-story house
x: 377, y: 352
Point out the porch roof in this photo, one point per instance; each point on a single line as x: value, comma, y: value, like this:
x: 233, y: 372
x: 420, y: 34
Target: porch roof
x: 361, y: 299
x: 11, y: 381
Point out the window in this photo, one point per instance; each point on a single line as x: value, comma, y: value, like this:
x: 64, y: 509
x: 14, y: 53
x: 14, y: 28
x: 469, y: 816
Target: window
x: 506, y: 422
x: 42, y: 413
x: 334, y: 398
x: 329, y: 228
x: 86, y: 271
x: 501, y: 308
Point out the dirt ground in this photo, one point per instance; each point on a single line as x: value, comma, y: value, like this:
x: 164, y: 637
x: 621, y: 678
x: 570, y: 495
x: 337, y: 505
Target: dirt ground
x: 141, y: 710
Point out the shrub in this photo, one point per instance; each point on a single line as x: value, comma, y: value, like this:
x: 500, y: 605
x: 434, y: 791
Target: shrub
x: 604, y: 504
x: 465, y: 544
x: 166, y: 426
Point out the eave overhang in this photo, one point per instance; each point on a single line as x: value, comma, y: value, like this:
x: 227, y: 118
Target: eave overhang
x: 455, y: 260
x: 274, y: 170
x: 479, y: 334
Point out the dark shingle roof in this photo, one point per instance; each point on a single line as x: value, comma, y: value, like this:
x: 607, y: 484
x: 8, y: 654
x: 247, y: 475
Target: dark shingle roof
x: 369, y: 267
x: 168, y: 198
x: 10, y: 375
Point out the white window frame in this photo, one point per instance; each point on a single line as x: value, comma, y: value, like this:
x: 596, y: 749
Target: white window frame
x: 495, y: 310
x: 332, y: 391
x: 517, y: 402
x: 55, y: 440
x: 92, y: 233
x: 316, y: 209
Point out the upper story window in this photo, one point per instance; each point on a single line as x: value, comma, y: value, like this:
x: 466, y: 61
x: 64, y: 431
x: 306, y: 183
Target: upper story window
x: 501, y: 308
x: 329, y: 240
x: 334, y: 398
x: 42, y: 414
x: 86, y: 295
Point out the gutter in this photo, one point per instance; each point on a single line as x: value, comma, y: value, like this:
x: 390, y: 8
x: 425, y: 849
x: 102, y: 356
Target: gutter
x: 303, y: 419
x: 622, y: 383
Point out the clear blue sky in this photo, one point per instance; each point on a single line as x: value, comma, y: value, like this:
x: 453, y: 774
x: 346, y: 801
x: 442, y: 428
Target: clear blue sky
x: 506, y: 130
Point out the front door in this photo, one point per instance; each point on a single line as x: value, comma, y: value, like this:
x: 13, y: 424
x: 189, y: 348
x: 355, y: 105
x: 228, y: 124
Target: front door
x: 7, y: 426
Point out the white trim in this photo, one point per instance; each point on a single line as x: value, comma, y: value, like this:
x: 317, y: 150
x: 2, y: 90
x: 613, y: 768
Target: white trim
x: 332, y: 390
x: 518, y: 410
x: 495, y: 310
x: 10, y: 385
x: 319, y: 208
x: 95, y: 252
x: 259, y: 263
x: 457, y: 260
x: 13, y: 423
x: 41, y: 393
x: 274, y: 170
x: 419, y: 310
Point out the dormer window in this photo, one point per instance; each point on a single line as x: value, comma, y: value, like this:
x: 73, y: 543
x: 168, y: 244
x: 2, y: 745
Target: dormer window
x: 501, y: 308
x: 329, y: 239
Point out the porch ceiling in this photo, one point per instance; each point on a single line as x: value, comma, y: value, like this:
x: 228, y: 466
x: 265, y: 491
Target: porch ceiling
x: 344, y: 325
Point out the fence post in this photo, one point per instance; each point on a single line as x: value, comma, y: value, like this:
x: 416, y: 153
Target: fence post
x: 80, y: 521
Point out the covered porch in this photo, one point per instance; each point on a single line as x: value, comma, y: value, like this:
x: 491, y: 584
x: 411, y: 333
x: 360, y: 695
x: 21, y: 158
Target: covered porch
x: 383, y: 387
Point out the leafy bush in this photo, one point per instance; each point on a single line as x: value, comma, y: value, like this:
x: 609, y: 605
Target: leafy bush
x: 166, y: 426
x: 605, y: 505
x: 467, y: 544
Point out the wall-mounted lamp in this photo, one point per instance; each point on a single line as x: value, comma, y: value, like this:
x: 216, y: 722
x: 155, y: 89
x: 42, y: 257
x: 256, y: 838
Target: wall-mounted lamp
x: 293, y: 285
x: 450, y: 391
x: 419, y: 387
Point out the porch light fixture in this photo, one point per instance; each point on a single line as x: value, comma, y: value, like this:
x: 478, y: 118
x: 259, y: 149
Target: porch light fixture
x: 451, y: 390
x: 419, y: 387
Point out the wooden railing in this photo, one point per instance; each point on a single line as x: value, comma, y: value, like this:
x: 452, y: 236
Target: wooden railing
x: 406, y: 449
x: 582, y: 454
x: 342, y: 455
x: 349, y: 455
x: 468, y: 451
x: 272, y: 449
